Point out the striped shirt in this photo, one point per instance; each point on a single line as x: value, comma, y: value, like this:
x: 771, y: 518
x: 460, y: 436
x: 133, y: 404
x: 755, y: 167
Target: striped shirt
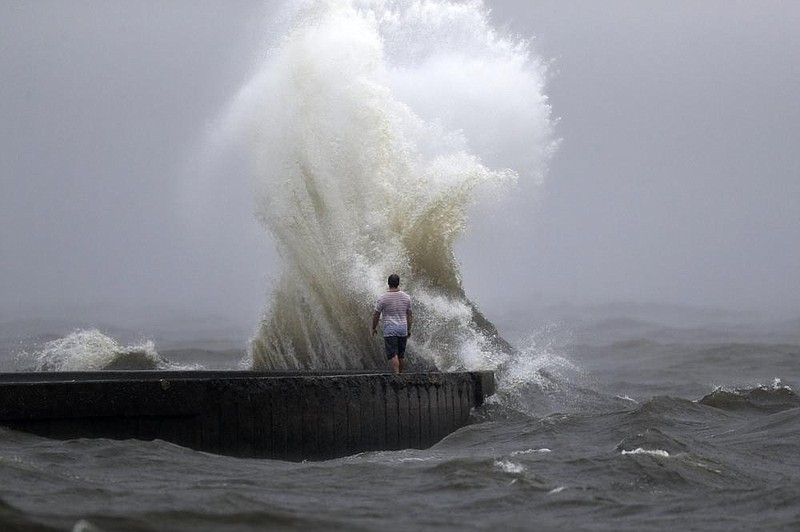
x: 393, y: 307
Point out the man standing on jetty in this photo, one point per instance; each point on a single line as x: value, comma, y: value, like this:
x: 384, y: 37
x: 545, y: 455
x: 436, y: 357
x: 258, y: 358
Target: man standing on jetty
x: 395, y: 307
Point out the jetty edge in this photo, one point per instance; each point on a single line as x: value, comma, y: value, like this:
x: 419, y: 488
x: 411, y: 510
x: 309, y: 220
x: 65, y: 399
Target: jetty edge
x: 254, y: 414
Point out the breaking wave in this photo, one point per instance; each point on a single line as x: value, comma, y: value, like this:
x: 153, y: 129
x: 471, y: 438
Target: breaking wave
x: 90, y: 350
x: 374, y: 126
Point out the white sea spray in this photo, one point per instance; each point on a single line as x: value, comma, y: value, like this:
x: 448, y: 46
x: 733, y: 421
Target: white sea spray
x: 373, y: 127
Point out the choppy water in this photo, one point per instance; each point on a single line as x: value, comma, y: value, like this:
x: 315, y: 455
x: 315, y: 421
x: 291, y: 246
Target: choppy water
x: 632, y: 434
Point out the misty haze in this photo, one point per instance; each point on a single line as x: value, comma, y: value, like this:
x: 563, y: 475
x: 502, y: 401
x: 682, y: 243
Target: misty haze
x: 675, y: 180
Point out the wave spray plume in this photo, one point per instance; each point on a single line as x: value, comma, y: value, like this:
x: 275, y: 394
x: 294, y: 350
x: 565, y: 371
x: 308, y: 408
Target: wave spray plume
x: 371, y: 126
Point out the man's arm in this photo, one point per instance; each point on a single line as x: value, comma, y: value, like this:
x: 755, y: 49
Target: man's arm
x: 409, y: 320
x: 375, y: 317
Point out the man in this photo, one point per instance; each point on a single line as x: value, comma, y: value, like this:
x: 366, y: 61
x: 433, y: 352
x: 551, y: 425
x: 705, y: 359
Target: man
x: 395, y: 307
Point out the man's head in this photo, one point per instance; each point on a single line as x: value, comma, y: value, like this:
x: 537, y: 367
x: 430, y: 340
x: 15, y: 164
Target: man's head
x: 394, y: 280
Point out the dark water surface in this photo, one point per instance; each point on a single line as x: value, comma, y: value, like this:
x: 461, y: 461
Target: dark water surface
x: 629, y: 435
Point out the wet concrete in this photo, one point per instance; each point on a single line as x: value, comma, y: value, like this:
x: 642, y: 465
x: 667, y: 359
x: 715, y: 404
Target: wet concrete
x: 286, y: 416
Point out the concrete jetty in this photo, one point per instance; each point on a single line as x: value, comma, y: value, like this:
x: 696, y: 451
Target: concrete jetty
x: 285, y: 416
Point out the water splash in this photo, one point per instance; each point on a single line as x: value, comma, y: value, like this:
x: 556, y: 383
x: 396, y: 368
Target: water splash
x: 373, y: 126
x: 89, y: 350
x: 539, y: 379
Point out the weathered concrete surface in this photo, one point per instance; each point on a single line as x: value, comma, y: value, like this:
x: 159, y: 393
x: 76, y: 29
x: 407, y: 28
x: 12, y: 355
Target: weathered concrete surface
x: 283, y: 416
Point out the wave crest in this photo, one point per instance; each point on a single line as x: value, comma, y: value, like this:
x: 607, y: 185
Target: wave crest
x: 771, y: 398
x: 90, y: 350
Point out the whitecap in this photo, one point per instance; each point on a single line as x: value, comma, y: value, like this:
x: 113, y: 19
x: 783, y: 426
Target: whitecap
x: 531, y: 451
x: 91, y: 350
x: 507, y: 466
x: 652, y: 452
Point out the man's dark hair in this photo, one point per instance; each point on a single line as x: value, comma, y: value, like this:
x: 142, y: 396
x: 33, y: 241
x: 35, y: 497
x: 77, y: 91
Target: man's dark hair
x: 394, y: 280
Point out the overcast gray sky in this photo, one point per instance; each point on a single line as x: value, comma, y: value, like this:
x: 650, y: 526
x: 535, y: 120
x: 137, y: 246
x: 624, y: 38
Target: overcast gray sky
x: 677, y: 180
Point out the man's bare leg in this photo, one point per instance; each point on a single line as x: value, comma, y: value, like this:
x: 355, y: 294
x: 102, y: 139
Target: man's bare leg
x: 395, y: 363
x: 401, y: 364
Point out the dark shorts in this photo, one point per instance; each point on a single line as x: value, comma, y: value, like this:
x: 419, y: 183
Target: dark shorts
x: 395, y: 346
